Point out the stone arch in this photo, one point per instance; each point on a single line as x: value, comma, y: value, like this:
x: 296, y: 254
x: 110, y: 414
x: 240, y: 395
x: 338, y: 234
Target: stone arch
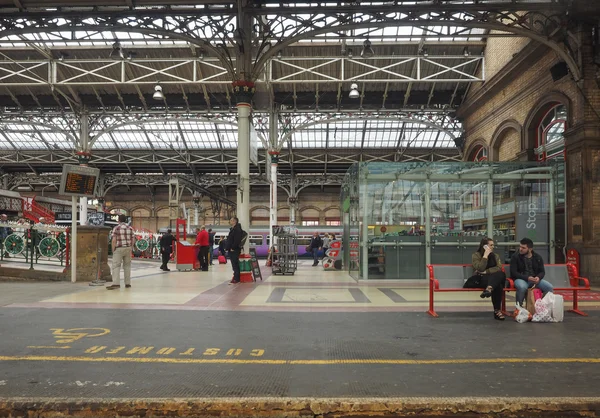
x: 259, y: 215
x: 502, y: 140
x: 310, y: 213
x: 547, y: 102
x: 332, y: 213
x: 473, y: 146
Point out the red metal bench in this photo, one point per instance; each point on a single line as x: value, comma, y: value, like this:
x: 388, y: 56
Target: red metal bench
x: 451, y: 277
x: 564, y: 277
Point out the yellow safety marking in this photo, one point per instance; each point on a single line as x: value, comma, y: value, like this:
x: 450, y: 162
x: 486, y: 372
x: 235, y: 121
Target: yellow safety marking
x: 66, y: 336
x: 95, y: 349
x: 187, y: 352
x: 297, y: 362
x: 257, y: 352
x: 48, y: 346
x: 115, y: 350
x: 234, y: 352
x: 140, y: 350
x: 166, y: 350
x: 211, y: 351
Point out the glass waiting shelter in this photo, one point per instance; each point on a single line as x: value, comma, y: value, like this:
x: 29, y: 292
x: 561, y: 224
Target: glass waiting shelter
x: 399, y: 217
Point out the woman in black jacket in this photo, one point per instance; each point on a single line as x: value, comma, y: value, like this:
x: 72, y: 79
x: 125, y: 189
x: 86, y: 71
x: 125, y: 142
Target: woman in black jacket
x: 487, y: 264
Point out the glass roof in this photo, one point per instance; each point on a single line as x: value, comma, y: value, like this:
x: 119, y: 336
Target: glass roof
x: 372, y: 134
x: 198, y: 134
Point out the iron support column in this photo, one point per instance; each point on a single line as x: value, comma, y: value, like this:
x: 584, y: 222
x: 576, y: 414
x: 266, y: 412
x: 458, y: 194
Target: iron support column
x: 243, y: 186
x: 427, y: 221
x: 273, y: 200
x: 552, y: 229
x: 490, y: 209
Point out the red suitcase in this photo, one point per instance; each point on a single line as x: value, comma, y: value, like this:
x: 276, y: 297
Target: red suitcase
x: 222, y: 259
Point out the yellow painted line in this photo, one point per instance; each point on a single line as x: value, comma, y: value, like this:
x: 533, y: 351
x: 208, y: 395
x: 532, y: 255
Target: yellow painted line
x: 298, y: 362
x: 49, y: 346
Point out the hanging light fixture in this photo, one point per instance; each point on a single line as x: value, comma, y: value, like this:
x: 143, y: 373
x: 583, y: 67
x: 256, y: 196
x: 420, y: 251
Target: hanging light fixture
x: 367, y: 51
x: 466, y: 51
x: 117, y: 51
x: 354, y: 94
x: 158, y: 93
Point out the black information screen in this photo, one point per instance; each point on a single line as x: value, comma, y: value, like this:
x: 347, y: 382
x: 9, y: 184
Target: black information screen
x: 79, y: 180
x: 80, y: 184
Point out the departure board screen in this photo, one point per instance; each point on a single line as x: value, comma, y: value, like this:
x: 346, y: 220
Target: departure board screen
x: 79, y: 181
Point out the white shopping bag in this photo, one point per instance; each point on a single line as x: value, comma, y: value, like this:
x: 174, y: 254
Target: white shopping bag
x: 558, y: 307
x: 523, y: 315
x: 542, y: 312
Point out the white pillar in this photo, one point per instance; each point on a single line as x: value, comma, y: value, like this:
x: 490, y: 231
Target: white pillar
x: 552, y: 226
x: 83, y: 210
x: 196, y: 215
x: 243, y: 154
x: 73, y: 241
x: 427, y: 221
x: 490, y: 209
x: 273, y: 199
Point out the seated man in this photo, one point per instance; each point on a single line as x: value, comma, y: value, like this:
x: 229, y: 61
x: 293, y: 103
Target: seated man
x: 527, y: 269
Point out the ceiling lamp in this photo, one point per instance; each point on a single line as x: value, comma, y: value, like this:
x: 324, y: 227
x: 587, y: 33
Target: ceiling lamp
x: 466, y: 52
x: 354, y: 94
x: 158, y: 93
x: 367, y: 51
x: 117, y: 51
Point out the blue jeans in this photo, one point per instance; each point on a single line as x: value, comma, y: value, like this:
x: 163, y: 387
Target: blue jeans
x: 523, y: 285
x: 315, y: 252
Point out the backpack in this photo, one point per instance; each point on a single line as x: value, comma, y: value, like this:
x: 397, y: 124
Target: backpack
x: 244, y: 239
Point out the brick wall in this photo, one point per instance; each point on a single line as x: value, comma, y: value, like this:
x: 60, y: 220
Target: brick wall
x: 498, y: 52
x: 509, y: 145
x: 517, y: 97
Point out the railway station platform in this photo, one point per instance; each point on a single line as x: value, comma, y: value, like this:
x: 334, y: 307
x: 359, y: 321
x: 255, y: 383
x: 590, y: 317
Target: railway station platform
x: 314, y: 344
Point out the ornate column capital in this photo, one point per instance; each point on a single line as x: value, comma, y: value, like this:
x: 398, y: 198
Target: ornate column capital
x: 244, y: 91
x: 84, y: 157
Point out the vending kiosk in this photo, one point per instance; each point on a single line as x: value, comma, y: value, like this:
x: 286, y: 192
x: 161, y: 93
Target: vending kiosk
x: 186, y: 254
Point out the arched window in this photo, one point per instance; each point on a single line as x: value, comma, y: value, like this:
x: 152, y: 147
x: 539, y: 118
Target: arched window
x: 550, y: 134
x: 479, y: 153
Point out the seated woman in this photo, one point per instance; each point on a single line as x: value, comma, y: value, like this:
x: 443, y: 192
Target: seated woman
x: 487, y: 264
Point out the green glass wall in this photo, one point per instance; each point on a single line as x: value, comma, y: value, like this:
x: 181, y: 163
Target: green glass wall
x: 399, y: 217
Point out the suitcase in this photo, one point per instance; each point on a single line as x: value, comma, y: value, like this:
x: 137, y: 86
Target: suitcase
x: 222, y: 259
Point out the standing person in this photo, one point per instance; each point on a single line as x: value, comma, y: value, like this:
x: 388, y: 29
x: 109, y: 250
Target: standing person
x: 326, y: 241
x: 211, y: 245
x: 166, y: 249
x: 487, y: 264
x: 234, y: 242
x: 316, y: 243
x: 527, y: 268
x: 122, y: 243
x: 202, y: 241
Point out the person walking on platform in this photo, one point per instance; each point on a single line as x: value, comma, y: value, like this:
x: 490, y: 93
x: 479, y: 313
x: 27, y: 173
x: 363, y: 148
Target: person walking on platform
x: 122, y: 243
x: 316, y: 243
x: 211, y: 245
x: 234, y: 241
x: 488, y: 266
x: 202, y: 241
x: 166, y: 249
x: 527, y: 268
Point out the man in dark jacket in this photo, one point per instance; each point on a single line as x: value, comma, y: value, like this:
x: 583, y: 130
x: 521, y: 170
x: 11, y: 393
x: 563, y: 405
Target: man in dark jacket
x: 527, y: 269
x: 166, y: 249
x: 316, y: 243
x: 211, y: 245
x: 234, y: 241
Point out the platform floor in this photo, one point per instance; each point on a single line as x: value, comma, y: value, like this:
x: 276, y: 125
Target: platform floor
x: 314, y: 335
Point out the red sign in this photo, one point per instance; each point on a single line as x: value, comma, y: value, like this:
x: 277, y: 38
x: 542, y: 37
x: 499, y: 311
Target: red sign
x: 573, y: 258
x: 383, y: 229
